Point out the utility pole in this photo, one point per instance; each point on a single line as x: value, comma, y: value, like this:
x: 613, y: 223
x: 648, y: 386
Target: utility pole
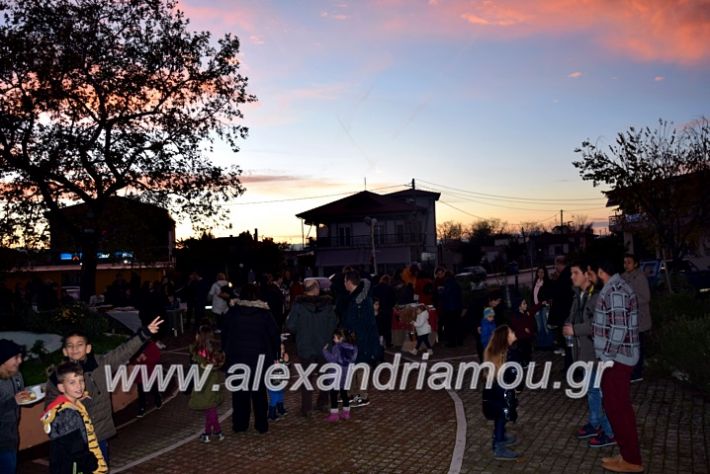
x: 562, y: 222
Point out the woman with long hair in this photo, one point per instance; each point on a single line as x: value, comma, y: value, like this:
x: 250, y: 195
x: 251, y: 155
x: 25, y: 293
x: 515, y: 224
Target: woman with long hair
x: 499, y: 404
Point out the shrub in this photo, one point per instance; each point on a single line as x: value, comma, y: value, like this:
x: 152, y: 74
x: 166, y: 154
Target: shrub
x: 683, y: 345
x: 666, y: 308
x: 78, y: 316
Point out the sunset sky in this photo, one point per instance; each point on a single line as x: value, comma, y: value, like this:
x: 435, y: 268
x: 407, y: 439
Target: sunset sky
x: 483, y: 101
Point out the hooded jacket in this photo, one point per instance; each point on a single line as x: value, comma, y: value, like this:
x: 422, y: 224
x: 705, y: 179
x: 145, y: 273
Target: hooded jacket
x: 312, y: 319
x: 250, y: 330
x: 74, y: 447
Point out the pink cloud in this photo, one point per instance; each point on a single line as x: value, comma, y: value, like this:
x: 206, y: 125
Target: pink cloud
x: 673, y: 31
x: 659, y: 78
x: 676, y: 31
x: 575, y: 75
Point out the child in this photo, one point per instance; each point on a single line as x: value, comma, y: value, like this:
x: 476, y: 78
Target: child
x: 77, y: 348
x: 423, y: 329
x: 523, y: 324
x: 343, y: 352
x: 488, y: 323
x: 500, y: 405
x: 276, y: 397
x: 73, y: 446
x: 204, y: 353
x: 150, y: 357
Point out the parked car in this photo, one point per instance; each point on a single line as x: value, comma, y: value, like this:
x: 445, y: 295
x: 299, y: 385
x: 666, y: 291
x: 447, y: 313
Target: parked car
x: 696, y: 278
x: 474, y: 276
x: 323, y: 282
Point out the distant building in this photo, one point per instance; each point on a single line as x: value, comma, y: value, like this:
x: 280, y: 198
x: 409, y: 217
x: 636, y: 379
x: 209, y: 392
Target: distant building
x: 129, y: 231
x: 402, y: 225
x: 136, y: 240
x: 692, y: 221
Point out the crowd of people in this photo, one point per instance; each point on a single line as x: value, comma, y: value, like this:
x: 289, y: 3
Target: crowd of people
x: 587, y: 311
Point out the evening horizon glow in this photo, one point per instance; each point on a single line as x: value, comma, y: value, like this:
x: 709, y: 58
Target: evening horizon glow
x: 490, y: 97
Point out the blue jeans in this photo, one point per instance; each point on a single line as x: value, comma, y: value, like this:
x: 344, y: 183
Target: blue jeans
x: 597, y: 417
x: 275, y: 397
x: 498, y: 431
x: 8, y: 462
x: 103, y: 446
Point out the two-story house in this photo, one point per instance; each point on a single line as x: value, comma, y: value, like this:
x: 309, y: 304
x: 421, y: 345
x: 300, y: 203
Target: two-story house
x: 391, y: 230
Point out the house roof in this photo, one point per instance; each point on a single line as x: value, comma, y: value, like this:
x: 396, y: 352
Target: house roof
x: 357, y: 206
x: 415, y: 193
x: 123, y: 204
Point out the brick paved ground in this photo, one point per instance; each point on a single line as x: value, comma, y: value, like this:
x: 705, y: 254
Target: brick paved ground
x: 413, y: 431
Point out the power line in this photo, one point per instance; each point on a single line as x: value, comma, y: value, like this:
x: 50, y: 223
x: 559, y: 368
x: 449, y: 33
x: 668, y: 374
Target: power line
x: 461, y: 210
x: 511, y: 198
x: 305, y: 198
x: 482, y: 201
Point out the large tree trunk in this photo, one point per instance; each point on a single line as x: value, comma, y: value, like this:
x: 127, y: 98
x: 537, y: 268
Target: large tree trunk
x: 89, y: 246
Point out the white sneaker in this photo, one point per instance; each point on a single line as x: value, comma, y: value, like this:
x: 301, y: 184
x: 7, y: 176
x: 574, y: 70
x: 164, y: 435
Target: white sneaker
x: 413, y: 352
x: 559, y: 351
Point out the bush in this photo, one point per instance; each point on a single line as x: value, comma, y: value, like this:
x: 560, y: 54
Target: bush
x: 683, y: 345
x: 78, y: 316
x: 666, y: 308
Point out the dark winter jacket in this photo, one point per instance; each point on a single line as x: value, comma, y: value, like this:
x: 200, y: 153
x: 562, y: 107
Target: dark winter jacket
x: 95, y: 369
x: 561, y: 294
x: 450, y: 297
x: 359, y: 318
x: 73, y: 444
x: 9, y: 411
x: 343, y: 354
x: 312, y: 319
x: 250, y: 330
x: 499, y: 402
x: 581, y: 316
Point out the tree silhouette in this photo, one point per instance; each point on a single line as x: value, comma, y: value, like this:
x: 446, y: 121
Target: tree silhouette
x: 659, y: 179
x: 100, y: 98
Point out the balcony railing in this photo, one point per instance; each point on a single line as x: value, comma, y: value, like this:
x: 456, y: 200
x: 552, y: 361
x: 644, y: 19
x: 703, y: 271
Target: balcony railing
x: 621, y: 221
x: 365, y: 241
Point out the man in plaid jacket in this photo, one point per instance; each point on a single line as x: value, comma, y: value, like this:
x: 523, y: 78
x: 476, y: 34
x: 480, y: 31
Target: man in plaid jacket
x: 616, y: 339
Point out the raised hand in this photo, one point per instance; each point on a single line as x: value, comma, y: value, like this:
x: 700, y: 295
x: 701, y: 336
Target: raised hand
x: 154, y: 326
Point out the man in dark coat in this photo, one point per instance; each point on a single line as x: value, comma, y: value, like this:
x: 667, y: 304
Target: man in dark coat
x: 312, y: 319
x: 359, y: 319
x: 562, y: 296
x: 249, y: 332
x: 385, y: 294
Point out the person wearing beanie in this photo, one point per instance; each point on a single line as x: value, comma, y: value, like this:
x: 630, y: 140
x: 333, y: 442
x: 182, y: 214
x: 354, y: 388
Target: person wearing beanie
x: 12, y: 393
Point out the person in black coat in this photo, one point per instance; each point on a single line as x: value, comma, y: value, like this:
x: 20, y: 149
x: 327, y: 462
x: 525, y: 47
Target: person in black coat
x: 385, y: 294
x: 562, y: 296
x: 500, y: 404
x: 250, y: 332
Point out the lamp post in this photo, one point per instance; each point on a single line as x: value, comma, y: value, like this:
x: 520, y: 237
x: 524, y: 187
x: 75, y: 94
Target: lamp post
x: 371, y: 221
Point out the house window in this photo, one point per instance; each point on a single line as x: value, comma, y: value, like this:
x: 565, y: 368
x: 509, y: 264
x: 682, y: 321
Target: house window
x: 379, y: 234
x: 344, y: 237
x: 399, y: 233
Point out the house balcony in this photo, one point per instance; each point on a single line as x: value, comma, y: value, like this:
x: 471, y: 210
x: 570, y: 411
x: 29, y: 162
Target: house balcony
x: 365, y: 241
x: 626, y: 222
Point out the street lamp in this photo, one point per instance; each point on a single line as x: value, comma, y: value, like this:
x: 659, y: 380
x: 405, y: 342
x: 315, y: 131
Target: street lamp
x: 372, y: 222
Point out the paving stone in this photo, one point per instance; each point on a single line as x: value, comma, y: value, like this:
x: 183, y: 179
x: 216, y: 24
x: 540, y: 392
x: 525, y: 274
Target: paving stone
x: 415, y: 431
